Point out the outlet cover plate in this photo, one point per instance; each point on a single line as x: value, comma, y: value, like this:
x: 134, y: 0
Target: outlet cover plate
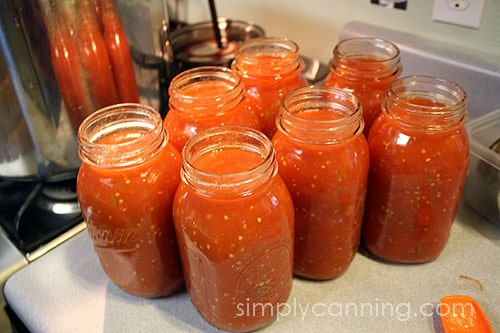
x: 466, y: 13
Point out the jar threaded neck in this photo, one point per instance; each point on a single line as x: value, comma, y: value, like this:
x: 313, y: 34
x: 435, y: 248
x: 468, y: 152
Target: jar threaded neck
x: 206, y: 91
x: 367, y: 58
x: 220, y: 180
x: 121, y: 135
x: 426, y: 103
x: 320, y: 115
x: 267, y: 57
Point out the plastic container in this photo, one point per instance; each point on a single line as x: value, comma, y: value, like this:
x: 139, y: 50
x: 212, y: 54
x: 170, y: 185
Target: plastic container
x: 482, y: 188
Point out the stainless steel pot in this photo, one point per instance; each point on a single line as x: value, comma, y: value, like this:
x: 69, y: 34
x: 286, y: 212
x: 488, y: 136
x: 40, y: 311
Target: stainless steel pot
x: 195, y: 45
x: 36, y: 139
x: 161, y: 49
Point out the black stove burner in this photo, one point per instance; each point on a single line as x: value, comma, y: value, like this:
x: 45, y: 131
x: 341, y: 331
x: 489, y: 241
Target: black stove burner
x: 34, y: 212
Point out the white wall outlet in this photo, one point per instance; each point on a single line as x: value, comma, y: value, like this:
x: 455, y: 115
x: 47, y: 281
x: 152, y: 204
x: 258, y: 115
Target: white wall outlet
x: 459, y: 4
x: 466, y: 13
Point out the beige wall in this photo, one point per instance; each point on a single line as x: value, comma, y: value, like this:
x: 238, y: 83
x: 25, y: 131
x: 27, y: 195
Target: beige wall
x: 315, y: 24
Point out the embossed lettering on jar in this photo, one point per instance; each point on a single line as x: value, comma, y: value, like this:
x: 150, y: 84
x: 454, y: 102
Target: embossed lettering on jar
x: 419, y: 159
x: 366, y: 67
x: 234, y: 219
x: 269, y: 67
x: 206, y: 97
x: 125, y: 188
x: 323, y: 158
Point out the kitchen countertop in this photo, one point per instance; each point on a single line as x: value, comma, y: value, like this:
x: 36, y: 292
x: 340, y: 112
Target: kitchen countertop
x: 67, y: 291
x: 11, y: 260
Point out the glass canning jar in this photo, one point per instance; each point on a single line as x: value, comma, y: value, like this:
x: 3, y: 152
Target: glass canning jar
x: 419, y: 159
x: 269, y: 67
x: 365, y: 66
x: 125, y: 188
x: 235, y: 224
x: 323, y: 158
x: 205, y: 97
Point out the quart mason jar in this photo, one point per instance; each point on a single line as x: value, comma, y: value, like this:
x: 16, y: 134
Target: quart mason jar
x: 323, y: 158
x: 235, y: 225
x: 419, y: 160
x: 125, y: 188
x: 365, y: 66
x: 206, y: 97
x: 269, y: 67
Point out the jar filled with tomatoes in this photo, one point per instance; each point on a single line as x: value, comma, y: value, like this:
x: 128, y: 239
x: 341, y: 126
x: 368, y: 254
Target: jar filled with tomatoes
x: 234, y: 220
x: 419, y: 160
x: 206, y: 97
x: 323, y: 158
x: 125, y: 188
x: 269, y: 67
x: 365, y: 66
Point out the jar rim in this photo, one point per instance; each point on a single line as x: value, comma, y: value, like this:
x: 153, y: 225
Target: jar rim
x: 369, y: 57
x: 387, y: 49
x: 345, y: 108
x: 281, y: 56
x: 227, y: 137
x: 456, y: 94
x: 191, y: 104
x: 202, y: 74
x: 146, y: 135
x: 427, y: 97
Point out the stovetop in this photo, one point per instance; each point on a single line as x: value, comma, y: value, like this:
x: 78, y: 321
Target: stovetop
x: 36, y: 211
x: 36, y: 216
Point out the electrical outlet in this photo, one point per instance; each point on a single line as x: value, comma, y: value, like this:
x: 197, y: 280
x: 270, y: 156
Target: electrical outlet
x: 459, y: 5
x: 466, y: 13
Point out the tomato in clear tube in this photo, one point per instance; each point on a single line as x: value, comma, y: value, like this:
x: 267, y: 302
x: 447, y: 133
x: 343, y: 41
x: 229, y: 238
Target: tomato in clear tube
x: 119, y: 53
x: 94, y: 56
x: 70, y: 75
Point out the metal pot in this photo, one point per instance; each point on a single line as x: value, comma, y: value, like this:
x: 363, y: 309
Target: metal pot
x: 195, y: 45
x: 158, y: 60
x: 36, y: 139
